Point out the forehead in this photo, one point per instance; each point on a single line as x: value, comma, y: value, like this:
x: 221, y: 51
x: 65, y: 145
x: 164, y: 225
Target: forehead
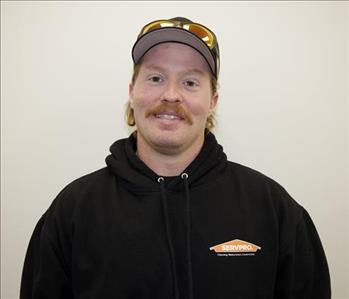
x: 175, y: 56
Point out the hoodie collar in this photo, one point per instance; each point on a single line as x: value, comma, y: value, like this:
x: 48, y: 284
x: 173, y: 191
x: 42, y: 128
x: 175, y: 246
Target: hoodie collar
x: 124, y: 163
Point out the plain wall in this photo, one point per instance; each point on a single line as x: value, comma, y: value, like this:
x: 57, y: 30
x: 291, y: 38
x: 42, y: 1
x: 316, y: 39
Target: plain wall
x: 65, y: 69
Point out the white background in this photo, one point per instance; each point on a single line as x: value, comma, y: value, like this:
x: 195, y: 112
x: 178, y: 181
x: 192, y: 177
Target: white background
x: 65, y: 69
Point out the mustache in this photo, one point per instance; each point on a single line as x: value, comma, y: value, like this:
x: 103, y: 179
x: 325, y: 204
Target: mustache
x: 170, y: 107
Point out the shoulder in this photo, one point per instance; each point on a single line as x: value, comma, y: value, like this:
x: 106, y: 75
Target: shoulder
x: 245, y: 172
x: 262, y: 187
x: 245, y: 175
x: 80, y: 189
x: 88, y: 182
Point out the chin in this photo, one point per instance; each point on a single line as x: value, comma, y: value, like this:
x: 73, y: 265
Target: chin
x: 167, y: 140
x: 171, y: 143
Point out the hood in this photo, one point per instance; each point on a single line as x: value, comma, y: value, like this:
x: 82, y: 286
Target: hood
x: 124, y: 163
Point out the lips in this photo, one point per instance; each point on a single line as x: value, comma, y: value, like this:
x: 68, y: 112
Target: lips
x: 168, y: 116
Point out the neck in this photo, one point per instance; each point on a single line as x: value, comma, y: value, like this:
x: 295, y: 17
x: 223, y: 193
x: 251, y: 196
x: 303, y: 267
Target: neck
x: 164, y: 162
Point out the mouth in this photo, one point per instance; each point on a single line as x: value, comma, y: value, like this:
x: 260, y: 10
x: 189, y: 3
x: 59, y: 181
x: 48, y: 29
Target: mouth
x: 168, y: 116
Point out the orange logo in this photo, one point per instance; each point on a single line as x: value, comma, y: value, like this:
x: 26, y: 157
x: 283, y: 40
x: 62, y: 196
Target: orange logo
x: 235, y: 246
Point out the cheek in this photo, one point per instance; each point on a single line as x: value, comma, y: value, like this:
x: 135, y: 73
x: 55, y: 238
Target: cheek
x: 142, y: 99
x: 199, y: 107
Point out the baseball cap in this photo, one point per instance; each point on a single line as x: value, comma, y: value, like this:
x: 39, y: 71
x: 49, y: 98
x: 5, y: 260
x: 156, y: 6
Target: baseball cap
x: 180, y: 30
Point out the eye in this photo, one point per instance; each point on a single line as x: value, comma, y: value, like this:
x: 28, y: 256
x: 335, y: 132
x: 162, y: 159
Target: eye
x: 191, y: 83
x: 156, y: 79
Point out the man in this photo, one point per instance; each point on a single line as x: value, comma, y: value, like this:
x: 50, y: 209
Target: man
x: 170, y: 217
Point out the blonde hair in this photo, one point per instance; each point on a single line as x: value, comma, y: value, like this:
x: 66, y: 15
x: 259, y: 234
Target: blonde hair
x: 129, y: 113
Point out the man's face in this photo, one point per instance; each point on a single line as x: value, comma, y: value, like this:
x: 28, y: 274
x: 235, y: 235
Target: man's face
x: 172, y: 98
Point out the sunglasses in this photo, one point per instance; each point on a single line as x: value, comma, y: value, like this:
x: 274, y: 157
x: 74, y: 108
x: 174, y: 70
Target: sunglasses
x: 200, y: 31
x: 206, y: 35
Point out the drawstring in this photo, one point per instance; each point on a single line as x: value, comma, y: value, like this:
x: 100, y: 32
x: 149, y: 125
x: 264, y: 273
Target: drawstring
x: 168, y: 232
x: 184, y: 177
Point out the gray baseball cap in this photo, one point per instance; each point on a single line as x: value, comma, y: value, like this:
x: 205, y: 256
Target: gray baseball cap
x: 180, y: 30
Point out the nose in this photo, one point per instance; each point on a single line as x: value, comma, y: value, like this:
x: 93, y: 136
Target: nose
x: 171, y: 93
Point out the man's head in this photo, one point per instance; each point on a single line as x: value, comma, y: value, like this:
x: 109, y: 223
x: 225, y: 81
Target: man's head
x: 173, y: 92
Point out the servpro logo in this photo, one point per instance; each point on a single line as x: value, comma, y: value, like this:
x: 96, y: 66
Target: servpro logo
x: 235, y: 247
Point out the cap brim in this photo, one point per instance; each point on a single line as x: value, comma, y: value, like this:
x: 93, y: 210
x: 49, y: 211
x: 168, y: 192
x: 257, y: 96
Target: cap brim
x: 172, y: 34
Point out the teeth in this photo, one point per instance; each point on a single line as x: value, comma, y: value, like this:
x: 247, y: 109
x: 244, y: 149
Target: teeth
x: 167, y: 116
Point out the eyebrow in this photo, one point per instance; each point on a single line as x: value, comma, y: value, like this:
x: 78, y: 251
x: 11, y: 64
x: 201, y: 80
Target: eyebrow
x: 189, y: 71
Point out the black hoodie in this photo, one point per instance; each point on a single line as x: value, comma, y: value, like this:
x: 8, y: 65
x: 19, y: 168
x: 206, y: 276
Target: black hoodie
x: 219, y: 230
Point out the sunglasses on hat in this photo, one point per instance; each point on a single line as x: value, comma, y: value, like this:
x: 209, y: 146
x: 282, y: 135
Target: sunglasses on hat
x: 201, y: 32
x: 205, y: 34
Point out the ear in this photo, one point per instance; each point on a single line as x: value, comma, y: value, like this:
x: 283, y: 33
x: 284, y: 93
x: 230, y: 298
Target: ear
x: 130, y: 90
x: 214, y: 101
